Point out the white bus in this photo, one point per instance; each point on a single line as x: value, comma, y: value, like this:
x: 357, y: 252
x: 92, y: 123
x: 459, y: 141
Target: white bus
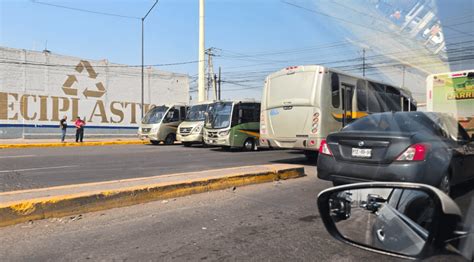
x: 452, y: 93
x: 301, y: 105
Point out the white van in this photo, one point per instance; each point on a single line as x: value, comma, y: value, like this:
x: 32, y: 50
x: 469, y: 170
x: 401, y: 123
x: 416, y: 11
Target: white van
x: 190, y: 131
x: 161, y: 123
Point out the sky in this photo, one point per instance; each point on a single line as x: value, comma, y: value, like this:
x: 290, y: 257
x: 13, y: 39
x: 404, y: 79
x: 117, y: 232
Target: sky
x: 252, y: 37
x: 171, y: 32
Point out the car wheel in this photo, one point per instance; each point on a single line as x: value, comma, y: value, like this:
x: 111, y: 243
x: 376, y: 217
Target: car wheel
x: 170, y: 139
x: 155, y: 142
x: 445, y: 184
x: 187, y: 144
x: 249, y: 145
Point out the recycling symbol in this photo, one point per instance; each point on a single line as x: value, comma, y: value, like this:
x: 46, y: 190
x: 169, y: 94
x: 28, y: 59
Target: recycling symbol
x: 68, y: 88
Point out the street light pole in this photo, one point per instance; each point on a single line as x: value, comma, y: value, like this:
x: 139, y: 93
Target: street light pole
x: 143, y: 57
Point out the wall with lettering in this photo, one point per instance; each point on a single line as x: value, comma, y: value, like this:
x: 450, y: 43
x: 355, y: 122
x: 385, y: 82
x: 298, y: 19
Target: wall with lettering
x: 38, y: 88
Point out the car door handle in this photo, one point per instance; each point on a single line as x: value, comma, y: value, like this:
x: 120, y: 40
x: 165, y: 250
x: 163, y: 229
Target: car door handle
x: 380, y: 235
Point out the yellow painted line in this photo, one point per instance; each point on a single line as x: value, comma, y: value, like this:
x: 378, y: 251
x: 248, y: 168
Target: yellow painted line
x: 69, y: 144
x: 64, y: 205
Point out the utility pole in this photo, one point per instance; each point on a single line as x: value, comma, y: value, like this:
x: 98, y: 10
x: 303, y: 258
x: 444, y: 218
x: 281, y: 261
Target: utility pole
x: 363, y: 62
x: 201, y: 66
x: 143, y: 57
x: 211, y: 77
x: 219, y: 85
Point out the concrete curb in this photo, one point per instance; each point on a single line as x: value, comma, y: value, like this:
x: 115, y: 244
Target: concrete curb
x: 98, y: 143
x: 64, y: 205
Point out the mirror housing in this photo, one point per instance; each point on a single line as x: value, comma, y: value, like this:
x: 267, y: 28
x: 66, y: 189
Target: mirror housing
x: 445, y: 219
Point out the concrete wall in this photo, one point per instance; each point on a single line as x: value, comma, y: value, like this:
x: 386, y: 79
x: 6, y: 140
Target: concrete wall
x: 38, y: 88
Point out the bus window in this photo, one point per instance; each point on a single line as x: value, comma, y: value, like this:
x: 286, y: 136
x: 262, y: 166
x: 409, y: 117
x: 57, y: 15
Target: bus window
x: 373, y: 98
x: 335, y: 90
x: 361, y: 95
x: 393, y: 98
x: 250, y: 113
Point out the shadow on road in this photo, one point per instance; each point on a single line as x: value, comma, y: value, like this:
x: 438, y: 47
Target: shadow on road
x: 297, y: 161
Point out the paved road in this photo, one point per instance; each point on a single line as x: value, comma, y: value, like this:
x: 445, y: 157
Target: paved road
x: 268, y: 222
x: 276, y: 221
x: 44, y: 167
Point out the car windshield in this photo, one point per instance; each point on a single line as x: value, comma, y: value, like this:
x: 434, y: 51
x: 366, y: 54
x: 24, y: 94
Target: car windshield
x: 219, y: 115
x: 155, y: 115
x: 197, y: 113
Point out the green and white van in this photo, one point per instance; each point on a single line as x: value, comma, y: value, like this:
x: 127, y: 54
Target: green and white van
x: 233, y: 124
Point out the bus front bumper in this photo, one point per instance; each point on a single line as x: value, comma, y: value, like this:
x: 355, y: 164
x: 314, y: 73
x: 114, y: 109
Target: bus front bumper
x: 217, y: 141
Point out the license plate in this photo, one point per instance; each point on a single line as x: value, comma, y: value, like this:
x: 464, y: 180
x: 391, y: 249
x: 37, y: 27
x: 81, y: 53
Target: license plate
x: 362, y: 152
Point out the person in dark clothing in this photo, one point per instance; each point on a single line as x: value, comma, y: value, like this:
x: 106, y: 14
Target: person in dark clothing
x: 63, y: 126
x: 79, y: 129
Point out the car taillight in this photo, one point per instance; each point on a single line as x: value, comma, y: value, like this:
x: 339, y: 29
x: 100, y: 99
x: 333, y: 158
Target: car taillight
x: 416, y: 152
x: 324, y: 149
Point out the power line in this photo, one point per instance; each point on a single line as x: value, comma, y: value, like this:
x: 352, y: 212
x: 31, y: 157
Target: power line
x: 85, y: 10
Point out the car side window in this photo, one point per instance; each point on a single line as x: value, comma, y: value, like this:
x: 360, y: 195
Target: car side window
x: 417, y: 206
x: 394, y: 197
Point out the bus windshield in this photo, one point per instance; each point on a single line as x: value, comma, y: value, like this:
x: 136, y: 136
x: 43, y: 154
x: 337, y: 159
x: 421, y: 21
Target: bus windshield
x: 155, y: 115
x: 219, y: 115
x: 197, y: 113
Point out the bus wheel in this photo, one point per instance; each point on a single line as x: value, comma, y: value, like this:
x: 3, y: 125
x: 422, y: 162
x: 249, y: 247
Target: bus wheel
x: 249, y: 145
x: 169, y: 139
x: 155, y: 142
x: 187, y: 144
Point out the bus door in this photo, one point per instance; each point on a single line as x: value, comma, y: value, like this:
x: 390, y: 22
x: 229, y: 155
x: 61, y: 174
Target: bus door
x: 347, y: 95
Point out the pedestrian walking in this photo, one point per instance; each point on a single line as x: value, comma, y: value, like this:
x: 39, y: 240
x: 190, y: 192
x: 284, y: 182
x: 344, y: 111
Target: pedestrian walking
x: 63, y: 126
x: 79, y: 129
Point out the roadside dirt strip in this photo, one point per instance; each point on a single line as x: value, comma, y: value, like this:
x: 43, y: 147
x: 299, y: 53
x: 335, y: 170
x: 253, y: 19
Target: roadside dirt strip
x: 93, y: 143
x: 25, y: 205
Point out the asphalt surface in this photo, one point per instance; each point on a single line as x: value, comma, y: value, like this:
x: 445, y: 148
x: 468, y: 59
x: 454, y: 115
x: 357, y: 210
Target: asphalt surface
x: 54, y: 166
x: 276, y: 221
x: 268, y: 222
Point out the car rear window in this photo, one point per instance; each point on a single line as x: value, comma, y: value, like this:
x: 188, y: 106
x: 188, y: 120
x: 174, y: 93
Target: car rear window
x: 394, y: 122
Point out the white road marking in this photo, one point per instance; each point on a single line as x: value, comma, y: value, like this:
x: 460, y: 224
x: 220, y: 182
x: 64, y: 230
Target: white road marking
x: 33, y: 169
x: 20, y: 156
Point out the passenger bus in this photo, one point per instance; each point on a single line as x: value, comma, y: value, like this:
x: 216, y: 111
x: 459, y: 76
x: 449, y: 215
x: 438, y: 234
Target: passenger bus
x: 452, y: 93
x: 190, y: 131
x: 161, y: 122
x: 301, y: 105
x: 233, y: 124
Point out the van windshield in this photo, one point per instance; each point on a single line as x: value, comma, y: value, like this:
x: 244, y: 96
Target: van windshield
x: 155, y: 115
x: 219, y: 115
x: 197, y: 113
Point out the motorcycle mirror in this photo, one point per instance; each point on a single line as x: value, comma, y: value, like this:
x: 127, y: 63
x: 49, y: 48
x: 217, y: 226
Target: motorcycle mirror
x: 404, y: 220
